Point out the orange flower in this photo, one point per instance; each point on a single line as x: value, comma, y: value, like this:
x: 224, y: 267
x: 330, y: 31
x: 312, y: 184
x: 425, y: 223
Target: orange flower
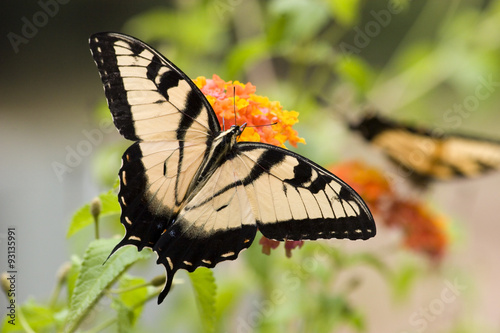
x: 423, y: 230
x: 234, y: 98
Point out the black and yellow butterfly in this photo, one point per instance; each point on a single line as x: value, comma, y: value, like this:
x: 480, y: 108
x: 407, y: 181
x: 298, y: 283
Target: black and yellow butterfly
x: 191, y: 192
x: 428, y: 155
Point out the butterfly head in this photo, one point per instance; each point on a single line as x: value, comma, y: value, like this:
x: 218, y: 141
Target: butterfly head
x: 238, y: 129
x: 227, y: 139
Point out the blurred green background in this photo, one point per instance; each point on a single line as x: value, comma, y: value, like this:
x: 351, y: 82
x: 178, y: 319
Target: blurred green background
x: 416, y: 61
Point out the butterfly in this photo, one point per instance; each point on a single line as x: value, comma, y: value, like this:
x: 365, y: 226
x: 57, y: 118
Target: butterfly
x: 189, y: 190
x: 428, y: 155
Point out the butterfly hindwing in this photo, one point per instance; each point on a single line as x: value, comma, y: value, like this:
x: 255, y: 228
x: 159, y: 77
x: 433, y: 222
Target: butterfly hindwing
x: 154, y: 183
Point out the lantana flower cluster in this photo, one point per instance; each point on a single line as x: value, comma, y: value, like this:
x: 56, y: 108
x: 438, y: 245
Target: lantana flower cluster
x: 234, y: 101
x: 423, y: 230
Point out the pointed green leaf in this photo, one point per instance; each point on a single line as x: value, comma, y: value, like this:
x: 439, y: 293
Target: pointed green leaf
x: 205, y: 291
x: 83, y: 217
x: 97, y: 274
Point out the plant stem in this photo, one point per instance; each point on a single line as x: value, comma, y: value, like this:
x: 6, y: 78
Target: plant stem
x: 96, y: 222
x: 55, y: 294
x: 124, y: 290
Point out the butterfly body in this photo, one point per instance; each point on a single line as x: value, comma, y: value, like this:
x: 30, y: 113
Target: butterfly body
x: 189, y: 190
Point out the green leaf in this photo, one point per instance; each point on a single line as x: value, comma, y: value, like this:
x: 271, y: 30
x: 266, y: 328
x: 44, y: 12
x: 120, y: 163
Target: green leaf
x: 125, y: 316
x: 304, y: 19
x: 106, y: 161
x: 403, y: 279
x: 83, y: 218
x: 76, y: 265
x: 355, y: 70
x: 246, y: 53
x: 333, y: 312
x: 346, y: 12
x: 97, y: 275
x: 38, y: 317
x: 199, y: 30
x: 133, y: 297
x: 205, y: 291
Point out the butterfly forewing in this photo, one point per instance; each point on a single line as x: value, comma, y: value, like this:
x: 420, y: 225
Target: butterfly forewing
x: 471, y: 157
x: 149, y: 97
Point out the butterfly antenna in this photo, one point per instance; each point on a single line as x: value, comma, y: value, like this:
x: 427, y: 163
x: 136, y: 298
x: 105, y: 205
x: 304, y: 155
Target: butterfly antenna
x: 234, y: 110
x: 234, y: 103
x: 275, y: 123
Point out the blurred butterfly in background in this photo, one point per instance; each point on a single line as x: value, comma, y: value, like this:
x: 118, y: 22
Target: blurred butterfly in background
x: 192, y: 193
x: 427, y: 155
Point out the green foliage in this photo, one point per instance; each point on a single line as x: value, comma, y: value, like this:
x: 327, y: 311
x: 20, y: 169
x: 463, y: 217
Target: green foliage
x: 134, y: 289
x: 345, y: 12
x: 76, y: 266
x: 94, y: 277
x: 125, y: 316
x: 205, y: 292
x: 83, y: 217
